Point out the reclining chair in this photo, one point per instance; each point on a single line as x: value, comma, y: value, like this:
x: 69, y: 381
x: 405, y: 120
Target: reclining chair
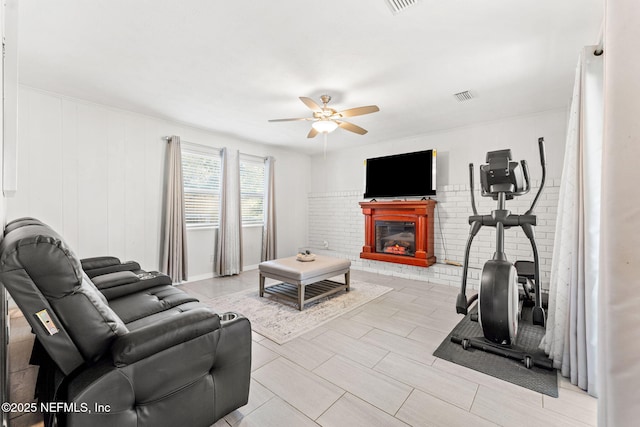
x: 150, y: 355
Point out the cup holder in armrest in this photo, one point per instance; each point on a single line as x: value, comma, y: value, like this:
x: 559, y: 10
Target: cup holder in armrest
x: 228, y: 316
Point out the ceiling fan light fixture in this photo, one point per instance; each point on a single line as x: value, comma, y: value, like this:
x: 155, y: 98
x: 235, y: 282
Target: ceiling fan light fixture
x: 326, y: 120
x: 324, y: 126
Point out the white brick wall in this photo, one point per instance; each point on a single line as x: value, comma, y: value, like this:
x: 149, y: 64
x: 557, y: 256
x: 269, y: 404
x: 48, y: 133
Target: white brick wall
x: 336, y: 218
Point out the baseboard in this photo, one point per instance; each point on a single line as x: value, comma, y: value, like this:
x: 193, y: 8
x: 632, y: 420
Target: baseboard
x: 211, y: 275
x: 199, y: 277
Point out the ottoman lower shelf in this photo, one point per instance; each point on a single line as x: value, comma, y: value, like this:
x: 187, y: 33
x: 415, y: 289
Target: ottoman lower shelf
x: 308, y: 293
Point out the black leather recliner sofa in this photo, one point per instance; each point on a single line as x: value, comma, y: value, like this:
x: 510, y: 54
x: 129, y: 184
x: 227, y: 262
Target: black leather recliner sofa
x: 125, y: 347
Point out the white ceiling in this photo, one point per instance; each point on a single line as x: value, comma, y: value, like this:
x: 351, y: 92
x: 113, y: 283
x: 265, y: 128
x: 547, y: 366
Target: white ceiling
x: 230, y: 66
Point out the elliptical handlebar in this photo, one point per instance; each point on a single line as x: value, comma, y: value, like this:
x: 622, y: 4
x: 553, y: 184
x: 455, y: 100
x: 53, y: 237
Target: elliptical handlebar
x: 473, y: 199
x: 543, y: 158
x: 543, y: 164
x: 461, y: 300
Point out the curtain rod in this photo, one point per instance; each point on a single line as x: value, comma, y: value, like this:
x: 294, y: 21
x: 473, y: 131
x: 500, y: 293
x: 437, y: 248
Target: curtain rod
x: 167, y: 138
x: 253, y: 155
x: 600, y: 46
x: 184, y: 142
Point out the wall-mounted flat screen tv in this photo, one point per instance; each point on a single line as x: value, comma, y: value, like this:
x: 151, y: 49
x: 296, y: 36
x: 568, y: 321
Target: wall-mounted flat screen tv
x: 401, y: 175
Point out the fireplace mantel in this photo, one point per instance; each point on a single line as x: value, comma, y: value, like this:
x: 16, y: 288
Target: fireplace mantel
x: 419, y: 212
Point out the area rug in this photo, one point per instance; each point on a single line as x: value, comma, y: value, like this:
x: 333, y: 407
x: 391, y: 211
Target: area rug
x: 280, y: 320
x: 537, y: 379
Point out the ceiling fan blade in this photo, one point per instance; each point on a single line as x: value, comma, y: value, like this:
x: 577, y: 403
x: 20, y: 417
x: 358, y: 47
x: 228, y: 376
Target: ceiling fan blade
x: 358, y: 111
x: 351, y: 127
x: 290, y: 120
x: 313, y: 106
x: 312, y: 133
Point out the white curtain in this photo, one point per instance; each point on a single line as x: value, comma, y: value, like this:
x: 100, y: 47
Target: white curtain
x: 269, y: 229
x: 619, y: 356
x: 174, y: 234
x: 571, y: 339
x: 229, y: 242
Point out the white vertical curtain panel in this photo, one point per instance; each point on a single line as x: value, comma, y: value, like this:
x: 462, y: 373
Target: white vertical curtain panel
x: 174, y: 245
x: 269, y: 228
x: 571, y: 339
x: 619, y: 401
x: 228, y: 259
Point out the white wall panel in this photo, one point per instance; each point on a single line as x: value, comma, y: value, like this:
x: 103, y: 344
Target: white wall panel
x: 251, y: 245
x: 93, y: 181
x: 292, y: 178
x: 154, y: 156
x: 70, y: 161
x: 136, y: 167
x: 117, y: 182
x: 96, y: 174
x: 45, y: 158
x: 20, y: 200
x: 201, y: 249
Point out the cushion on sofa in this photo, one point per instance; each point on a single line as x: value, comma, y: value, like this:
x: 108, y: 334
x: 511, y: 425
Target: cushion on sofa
x: 117, y: 285
x: 98, y: 266
x: 110, y: 280
x: 150, y: 301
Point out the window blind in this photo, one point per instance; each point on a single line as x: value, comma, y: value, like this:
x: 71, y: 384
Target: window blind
x: 201, y: 176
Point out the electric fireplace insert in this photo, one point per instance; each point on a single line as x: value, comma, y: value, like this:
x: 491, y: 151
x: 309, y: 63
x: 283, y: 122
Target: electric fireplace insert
x: 396, y: 237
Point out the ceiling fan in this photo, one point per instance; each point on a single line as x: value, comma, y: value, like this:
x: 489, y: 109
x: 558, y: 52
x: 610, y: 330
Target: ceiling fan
x: 326, y: 119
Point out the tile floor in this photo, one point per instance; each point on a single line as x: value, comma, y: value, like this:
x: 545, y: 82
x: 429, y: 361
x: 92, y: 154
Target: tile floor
x: 374, y: 367
x: 371, y: 367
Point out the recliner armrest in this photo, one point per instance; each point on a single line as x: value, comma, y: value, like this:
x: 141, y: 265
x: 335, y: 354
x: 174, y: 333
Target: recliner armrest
x: 198, y: 379
x: 123, y: 283
x: 99, y: 262
x: 105, y: 281
x: 167, y: 333
x: 97, y: 266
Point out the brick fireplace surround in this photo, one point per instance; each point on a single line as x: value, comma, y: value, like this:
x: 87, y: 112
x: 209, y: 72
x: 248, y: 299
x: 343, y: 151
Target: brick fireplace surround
x: 418, y: 212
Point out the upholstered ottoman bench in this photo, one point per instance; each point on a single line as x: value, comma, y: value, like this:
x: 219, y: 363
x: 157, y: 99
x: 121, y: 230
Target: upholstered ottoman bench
x: 304, y: 282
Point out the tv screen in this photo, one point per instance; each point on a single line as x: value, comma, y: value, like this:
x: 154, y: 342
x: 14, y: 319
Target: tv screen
x: 401, y: 175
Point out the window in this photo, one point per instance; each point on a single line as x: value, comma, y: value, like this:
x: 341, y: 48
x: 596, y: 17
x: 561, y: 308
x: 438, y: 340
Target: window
x: 252, y: 190
x: 201, y: 176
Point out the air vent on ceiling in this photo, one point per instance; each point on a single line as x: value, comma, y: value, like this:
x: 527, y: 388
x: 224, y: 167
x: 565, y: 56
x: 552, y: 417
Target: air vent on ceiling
x: 398, y: 6
x: 463, y: 96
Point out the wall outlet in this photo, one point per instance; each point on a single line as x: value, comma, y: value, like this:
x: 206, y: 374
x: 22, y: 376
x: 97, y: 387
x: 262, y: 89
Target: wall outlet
x: 211, y: 259
x: 325, y: 244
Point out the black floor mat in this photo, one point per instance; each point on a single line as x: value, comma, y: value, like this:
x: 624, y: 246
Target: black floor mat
x: 529, y: 336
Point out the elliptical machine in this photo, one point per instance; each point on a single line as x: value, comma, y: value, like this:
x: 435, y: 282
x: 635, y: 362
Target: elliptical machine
x: 498, y: 296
